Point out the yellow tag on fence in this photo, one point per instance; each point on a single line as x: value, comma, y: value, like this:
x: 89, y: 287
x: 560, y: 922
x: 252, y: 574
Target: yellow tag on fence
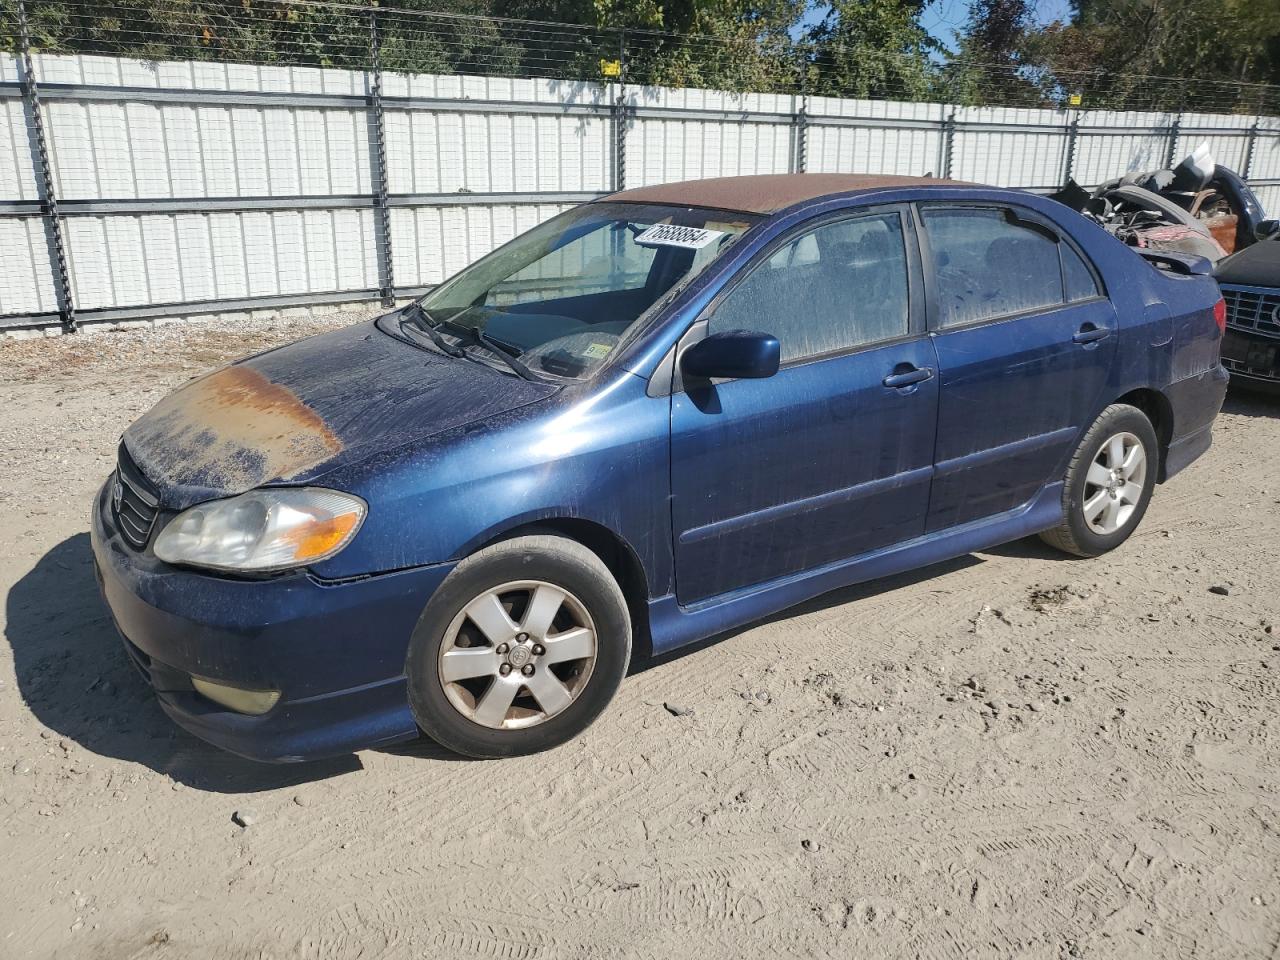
x: 611, y: 68
x: 1075, y: 100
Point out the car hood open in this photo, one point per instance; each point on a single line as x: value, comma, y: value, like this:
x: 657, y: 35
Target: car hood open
x: 297, y: 412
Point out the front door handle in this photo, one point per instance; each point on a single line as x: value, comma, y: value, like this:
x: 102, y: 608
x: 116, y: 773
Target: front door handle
x: 1090, y: 333
x: 908, y: 377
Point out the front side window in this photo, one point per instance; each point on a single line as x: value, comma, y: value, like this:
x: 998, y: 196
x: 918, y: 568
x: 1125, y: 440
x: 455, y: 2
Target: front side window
x: 562, y: 296
x: 987, y: 264
x: 841, y: 285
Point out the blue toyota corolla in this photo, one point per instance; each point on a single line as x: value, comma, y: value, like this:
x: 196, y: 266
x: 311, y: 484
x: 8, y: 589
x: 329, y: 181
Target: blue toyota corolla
x: 652, y: 418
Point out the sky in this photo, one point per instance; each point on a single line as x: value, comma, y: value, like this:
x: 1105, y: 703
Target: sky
x: 943, y: 18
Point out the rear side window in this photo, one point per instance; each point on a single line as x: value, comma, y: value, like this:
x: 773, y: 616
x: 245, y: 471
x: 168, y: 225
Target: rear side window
x: 1076, y: 275
x: 840, y: 285
x: 987, y: 266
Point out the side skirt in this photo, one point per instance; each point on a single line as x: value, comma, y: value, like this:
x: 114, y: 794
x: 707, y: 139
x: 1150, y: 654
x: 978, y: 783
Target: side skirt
x: 672, y: 625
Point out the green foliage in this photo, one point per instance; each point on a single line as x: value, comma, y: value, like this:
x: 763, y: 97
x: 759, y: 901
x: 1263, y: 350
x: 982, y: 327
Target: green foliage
x: 1112, y: 53
x: 988, y: 67
x: 1117, y: 52
x: 873, y: 49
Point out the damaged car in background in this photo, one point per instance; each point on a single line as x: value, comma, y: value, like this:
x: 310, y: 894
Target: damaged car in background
x: 1250, y: 283
x: 1198, y: 207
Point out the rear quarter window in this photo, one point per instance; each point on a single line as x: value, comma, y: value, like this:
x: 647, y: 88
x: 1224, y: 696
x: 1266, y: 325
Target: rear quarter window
x: 1076, y: 275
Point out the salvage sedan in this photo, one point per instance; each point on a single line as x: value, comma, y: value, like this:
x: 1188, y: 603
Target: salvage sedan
x: 654, y: 418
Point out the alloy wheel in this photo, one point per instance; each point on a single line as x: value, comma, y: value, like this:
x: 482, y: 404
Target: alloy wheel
x: 517, y: 655
x: 1114, y: 485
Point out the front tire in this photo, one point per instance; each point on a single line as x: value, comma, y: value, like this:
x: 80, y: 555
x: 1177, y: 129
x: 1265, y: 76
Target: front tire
x: 1108, y: 483
x: 519, y: 650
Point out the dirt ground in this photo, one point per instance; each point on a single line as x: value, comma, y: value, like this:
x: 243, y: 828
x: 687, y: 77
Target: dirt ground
x: 1010, y: 755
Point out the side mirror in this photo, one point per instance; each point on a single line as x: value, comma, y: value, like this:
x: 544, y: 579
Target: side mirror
x: 1266, y: 229
x: 732, y: 355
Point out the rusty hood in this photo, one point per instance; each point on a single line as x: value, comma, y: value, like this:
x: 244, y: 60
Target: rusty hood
x: 297, y: 412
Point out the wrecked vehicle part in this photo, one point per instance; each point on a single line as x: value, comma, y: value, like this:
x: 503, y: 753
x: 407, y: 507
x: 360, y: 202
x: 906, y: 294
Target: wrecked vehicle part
x: 1140, y: 218
x: 1194, y: 172
x: 1239, y: 200
x: 1129, y: 196
x: 1198, y: 194
x: 1177, y: 238
x: 1250, y: 283
x: 1072, y: 195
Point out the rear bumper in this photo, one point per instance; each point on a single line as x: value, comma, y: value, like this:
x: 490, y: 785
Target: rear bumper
x: 1196, y: 402
x: 336, y: 651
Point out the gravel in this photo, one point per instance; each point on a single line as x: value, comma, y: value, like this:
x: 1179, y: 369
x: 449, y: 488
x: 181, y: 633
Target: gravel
x: 951, y: 820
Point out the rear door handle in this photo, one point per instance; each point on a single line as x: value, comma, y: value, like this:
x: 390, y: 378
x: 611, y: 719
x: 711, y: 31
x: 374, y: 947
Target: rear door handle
x: 908, y: 377
x: 1090, y: 334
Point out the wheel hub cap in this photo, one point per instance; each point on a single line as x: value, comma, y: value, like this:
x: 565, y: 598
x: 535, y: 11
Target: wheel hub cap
x: 517, y: 655
x: 1115, y: 483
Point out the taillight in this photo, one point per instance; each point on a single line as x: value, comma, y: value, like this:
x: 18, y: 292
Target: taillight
x: 1220, y: 315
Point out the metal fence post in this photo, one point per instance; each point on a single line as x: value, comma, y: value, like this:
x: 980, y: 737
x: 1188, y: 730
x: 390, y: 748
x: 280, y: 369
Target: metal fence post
x: 1069, y: 162
x: 44, y: 179
x: 1247, y: 167
x: 948, y: 143
x: 620, y: 118
x: 378, y: 169
x: 1175, y: 130
x: 800, y: 121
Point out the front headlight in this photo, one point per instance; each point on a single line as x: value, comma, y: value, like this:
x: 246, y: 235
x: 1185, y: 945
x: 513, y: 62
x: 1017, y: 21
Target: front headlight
x: 268, y: 529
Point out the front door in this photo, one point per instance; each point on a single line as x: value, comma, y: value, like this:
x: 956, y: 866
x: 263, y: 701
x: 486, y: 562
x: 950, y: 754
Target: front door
x: 831, y: 457
x: 1025, y: 338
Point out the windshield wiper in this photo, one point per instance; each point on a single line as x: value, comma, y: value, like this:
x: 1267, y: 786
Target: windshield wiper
x: 509, y: 356
x: 428, y: 324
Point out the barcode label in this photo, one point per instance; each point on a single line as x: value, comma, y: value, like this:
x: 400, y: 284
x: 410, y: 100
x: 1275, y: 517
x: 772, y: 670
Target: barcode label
x: 670, y: 235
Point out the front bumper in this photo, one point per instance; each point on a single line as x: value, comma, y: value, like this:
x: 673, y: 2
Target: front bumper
x: 336, y: 651
x: 1252, y: 358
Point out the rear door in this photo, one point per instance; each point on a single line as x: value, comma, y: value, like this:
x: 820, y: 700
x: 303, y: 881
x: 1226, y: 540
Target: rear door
x: 1025, y: 337
x: 831, y: 457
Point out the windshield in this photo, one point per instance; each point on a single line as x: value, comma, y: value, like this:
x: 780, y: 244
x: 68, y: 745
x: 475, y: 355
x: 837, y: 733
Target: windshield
x: 564, y: 295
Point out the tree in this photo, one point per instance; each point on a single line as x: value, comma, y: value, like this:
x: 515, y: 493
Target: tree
x: 988, y: 66
x: 872, y: 49
x: 994, y: 31
x: 1119, y: 52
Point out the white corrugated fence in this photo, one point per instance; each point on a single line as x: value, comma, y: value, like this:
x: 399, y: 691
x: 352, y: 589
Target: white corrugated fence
x: 207, y: 187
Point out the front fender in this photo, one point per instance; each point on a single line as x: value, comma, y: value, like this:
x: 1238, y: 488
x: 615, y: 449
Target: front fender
x: 598, y: 453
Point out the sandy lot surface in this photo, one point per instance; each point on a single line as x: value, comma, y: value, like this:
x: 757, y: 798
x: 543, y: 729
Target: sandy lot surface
x: 1010, y: 755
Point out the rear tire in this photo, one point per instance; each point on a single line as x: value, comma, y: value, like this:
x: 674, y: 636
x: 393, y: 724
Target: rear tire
x: 1108, y: 483
x: 519, y: 650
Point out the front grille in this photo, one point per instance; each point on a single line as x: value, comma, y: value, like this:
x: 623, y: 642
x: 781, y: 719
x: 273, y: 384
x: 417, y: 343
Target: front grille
x: 133, y: 501
x: 1256, y: 309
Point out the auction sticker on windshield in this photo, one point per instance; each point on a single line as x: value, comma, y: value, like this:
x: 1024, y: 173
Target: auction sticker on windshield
x: 673, y: 235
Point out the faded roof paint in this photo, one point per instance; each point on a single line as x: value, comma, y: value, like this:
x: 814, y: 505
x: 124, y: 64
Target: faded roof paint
x: 769, y: 192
